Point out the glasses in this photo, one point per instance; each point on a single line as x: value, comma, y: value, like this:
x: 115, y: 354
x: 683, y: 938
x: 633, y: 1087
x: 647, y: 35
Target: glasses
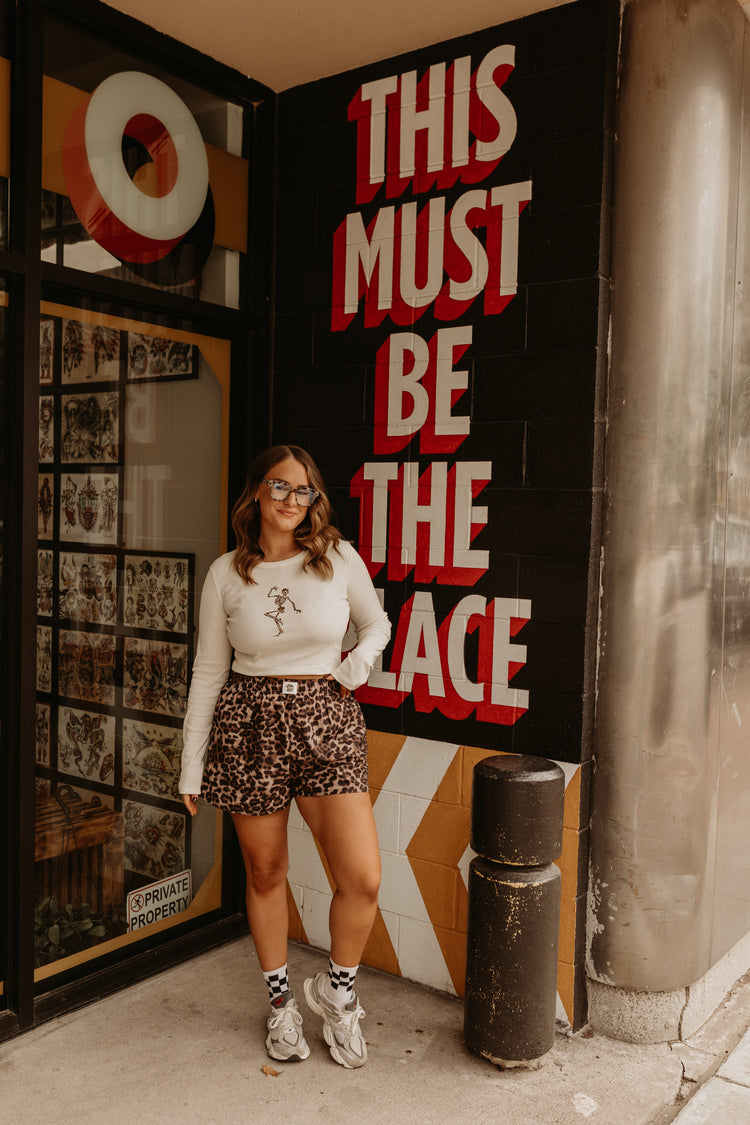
x: 280, y: 489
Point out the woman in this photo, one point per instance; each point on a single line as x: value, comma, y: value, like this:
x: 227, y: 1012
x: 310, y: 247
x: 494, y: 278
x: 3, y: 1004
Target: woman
x: 283, y: 724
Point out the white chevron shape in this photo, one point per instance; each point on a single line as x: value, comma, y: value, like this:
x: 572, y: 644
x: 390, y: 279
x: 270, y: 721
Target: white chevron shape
x: 413, y: 779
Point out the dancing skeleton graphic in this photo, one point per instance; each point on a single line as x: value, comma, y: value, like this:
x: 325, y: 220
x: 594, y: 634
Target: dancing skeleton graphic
x: 281, y: 600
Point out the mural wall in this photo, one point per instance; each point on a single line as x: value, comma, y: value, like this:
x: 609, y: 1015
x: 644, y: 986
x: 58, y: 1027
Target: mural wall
x: 439, y: 349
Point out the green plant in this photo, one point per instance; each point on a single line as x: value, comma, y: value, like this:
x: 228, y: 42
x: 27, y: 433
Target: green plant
x: 60, y: 931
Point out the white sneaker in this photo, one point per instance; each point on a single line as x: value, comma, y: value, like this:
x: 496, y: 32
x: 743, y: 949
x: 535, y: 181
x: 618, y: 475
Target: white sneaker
x: 340, y: 1025
x: 285, y: 1040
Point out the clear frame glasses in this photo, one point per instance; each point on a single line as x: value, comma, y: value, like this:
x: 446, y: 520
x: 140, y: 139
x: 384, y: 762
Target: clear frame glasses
x: 280, y: 489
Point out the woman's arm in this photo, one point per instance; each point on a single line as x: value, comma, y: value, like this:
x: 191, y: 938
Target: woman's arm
x: 370, y: 622
x: 210, y: 670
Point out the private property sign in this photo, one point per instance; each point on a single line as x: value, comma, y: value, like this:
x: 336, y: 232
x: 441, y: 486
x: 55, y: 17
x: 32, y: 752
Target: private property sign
x: 159, y: 900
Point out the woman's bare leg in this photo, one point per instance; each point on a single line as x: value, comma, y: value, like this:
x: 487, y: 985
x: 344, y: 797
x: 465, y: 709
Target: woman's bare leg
x: 263, y: 843
x: 344, y: 826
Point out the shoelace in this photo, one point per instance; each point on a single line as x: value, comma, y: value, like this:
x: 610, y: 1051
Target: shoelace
x: 286, y: 1017
x: 350, y: 1020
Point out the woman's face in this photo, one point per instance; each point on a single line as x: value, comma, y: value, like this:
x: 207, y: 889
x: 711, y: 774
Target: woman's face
x: 282, y: 515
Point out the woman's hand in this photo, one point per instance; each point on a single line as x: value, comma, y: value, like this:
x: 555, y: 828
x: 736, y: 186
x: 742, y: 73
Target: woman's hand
x: 190, y: 801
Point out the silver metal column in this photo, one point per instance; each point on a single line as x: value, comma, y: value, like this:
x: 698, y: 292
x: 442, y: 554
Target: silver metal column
x: 654, y: 827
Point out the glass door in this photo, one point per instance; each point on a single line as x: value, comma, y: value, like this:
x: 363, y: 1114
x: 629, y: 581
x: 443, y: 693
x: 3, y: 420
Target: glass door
x: 133, y: 461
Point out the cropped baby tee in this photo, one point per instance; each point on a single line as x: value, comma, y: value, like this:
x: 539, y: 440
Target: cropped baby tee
x: 288, y: 622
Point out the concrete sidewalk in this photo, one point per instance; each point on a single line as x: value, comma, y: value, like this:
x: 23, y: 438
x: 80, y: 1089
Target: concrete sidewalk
x: 188, y: 1046
x: 724, y: 1099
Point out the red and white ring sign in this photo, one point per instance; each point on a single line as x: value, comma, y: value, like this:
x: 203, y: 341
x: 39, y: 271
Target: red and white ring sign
x: 139, y: 219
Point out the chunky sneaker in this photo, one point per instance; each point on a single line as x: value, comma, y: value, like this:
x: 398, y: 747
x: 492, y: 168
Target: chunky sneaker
x: 285, y: 1040
x: 340, y: 1025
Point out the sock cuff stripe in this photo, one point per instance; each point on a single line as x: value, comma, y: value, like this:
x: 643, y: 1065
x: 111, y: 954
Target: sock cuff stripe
x: 342, y: 977
x: 277, y: 981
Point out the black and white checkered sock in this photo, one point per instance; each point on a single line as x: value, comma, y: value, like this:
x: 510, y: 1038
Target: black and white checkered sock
x: 278, y: 983
x: 340, y: 983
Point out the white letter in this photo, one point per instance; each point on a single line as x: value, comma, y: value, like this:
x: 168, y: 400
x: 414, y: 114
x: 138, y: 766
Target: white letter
x: 411, y: 294
x: 360, y: 251
x: 510, y: 197
x: 469, y: 245
x: 465, y: 515
x: 413, y: 120
x: 467, y: 608
x: 504, y: 653
x: 432, y: 513
x: 447, y: 380
x: 497, y: 103
x: 380, y: 473
x: 422, y: 631
x: 400, y: 384
x: 376, y: 93
x: 461, y: 91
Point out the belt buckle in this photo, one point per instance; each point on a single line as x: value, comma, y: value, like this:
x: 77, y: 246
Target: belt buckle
x: 289, y: 687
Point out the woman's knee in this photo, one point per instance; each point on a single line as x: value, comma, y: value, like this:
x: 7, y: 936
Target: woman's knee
x: 364, y: 883
x: 371, y: 887
x: 266, y: 875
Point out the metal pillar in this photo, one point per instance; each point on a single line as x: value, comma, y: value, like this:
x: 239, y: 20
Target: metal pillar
x: 654, y: 822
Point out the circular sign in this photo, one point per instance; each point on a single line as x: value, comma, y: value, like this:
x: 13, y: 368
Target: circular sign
x: 141, y: 210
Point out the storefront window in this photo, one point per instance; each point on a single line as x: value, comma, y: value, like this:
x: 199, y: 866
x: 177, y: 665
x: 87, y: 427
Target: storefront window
x: 144, y: 175
x: 132, y: 478
x: 4, y: 701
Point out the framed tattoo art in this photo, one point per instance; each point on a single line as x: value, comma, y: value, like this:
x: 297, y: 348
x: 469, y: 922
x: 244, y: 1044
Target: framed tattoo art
x: 86, y: 744
x: 114, y: 622
x: 90, y: 352
x: 47, y: 329
x: 43, y: 658
x: 154, y: 840
x: 90, y: 428
x: 88, y: 588
x: 44, y: 583
x: 46, y: 428
x: 87, y: 666
x: 153, y: 357
x: 89, y: 505
x: 45, y: 505
x: 94, y: 798
x: 43, y: 734
x: 157, y: 592
x: 151, y: 758
x: 155, y: 676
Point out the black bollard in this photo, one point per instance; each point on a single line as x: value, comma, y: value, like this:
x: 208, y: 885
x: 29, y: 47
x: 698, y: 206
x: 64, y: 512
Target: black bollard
x: 514, y: 909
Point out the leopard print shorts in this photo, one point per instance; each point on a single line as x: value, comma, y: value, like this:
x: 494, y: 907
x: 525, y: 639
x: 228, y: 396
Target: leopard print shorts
x: 267, y: 747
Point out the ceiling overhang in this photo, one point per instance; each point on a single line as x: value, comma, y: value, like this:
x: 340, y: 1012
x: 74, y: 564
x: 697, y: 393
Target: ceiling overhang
x: 286, y: 43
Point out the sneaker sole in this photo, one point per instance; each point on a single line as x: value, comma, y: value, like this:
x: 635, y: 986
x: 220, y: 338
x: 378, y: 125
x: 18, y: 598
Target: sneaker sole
x: 327, y: 1033
x: 287, y: 1058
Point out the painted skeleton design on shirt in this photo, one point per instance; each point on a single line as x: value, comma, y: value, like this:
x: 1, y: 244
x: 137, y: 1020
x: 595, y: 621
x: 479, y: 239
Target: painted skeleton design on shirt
x: 280, y: 598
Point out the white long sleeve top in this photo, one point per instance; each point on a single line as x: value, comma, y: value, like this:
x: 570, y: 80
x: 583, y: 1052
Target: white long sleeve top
x: 290, y: 622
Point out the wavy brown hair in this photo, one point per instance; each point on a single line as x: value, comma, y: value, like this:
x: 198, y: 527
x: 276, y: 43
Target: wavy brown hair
x: 316, y: 533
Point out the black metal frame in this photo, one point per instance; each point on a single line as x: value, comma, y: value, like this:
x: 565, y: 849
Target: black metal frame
x: 29, y: 281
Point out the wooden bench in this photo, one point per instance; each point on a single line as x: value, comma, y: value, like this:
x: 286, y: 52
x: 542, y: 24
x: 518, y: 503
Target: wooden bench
x: 79, y: 852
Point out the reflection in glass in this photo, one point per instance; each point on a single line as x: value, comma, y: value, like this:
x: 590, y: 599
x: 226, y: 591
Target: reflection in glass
x: 6, y: 512
x: 117, y: 200
x: 128, y: 509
